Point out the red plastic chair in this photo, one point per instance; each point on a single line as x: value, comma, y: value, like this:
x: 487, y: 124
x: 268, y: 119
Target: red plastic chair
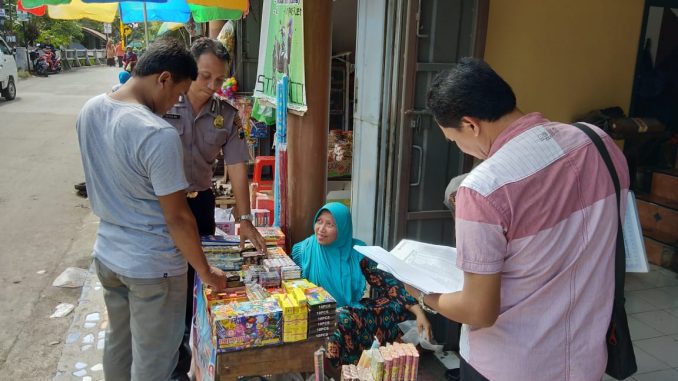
x: 259, y: 163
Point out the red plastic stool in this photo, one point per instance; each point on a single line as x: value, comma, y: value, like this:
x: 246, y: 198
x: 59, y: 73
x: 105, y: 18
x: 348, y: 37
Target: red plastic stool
x: 259, y: 163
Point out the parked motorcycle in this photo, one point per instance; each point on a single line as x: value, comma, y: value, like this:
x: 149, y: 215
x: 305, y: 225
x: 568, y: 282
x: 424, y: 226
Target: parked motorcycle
x: 45, y: 61
x: 54, y: 62
x: 39, y: 62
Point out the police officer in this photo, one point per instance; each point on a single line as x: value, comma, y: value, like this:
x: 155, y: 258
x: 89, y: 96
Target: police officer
x: 208, y: 125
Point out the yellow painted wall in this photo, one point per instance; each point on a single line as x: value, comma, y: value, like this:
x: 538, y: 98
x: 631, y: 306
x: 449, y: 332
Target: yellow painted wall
x: 565, y: 57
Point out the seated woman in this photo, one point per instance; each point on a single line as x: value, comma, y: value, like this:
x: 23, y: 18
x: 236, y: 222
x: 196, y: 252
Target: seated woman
x: 129, y: 60
x: 328, y: 259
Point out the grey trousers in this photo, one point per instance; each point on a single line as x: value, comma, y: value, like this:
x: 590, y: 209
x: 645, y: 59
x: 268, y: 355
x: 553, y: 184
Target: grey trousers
x: 145, y: 325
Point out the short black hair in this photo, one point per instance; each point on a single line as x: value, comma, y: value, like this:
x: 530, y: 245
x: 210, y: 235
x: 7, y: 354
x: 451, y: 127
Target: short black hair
x: 206, y: 45
x: 167, y: 54
x: 472, y: 89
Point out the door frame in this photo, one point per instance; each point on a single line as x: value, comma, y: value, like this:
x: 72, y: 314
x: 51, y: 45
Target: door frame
x: 407, y: 116
x: 641, y: 44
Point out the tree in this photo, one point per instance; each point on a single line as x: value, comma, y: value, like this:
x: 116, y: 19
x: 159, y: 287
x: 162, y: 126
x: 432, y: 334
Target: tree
x: 31, y: 32
x: 58, y: 32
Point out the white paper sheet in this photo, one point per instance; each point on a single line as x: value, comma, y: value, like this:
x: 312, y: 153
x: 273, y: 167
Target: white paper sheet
x: 636, y: 257
x: 429, y: 268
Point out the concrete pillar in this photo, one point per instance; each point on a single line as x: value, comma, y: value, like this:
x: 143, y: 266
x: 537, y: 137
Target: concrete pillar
x: 307, y: 135
x: 215, y: 27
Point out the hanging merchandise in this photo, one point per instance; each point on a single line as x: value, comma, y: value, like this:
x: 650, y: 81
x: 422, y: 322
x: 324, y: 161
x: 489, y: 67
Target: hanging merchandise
x: 281, y: 52
x: 227, y: 38
x: 280, y: 184
x: 229, y: 88
x: 263, y: 113
x: 258, y: 130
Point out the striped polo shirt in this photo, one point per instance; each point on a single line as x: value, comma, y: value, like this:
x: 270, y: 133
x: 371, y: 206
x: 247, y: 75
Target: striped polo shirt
x: 541, y: 211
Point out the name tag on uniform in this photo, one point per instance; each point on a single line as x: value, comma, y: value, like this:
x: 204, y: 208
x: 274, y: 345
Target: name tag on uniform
x: 172, y: 116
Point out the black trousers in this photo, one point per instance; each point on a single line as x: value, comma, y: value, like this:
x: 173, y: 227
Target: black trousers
x: 202, y: 207
x: 468, y: 373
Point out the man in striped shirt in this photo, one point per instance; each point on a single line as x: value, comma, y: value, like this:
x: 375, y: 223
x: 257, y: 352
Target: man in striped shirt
x: 535, y: 229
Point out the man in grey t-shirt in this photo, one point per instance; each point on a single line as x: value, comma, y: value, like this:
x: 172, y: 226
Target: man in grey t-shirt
x: 133, y: 167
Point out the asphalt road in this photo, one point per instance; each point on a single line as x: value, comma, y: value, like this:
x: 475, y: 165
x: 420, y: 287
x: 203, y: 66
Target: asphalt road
x: 43, y: 224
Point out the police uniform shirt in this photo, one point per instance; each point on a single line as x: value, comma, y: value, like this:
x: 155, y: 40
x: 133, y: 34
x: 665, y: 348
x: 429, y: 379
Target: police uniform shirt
x: 215, y: 128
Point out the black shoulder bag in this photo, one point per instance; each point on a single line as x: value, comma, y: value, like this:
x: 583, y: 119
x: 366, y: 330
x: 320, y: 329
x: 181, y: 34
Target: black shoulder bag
x: 621, y: 361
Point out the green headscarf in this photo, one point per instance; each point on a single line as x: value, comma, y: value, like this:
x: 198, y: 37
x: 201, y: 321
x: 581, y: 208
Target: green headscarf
x: 334, y: 267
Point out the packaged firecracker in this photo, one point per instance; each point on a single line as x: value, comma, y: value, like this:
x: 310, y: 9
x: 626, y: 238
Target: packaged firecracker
x: 275, y: 252
x: 241, y: 325
x: 314, y: 330
x: 365, y: 375
x: 321, y: 327
x: 404, y: 368
x: 290, y: 271
x: 395, y: 358
x: 256, y: 292
x: 321, y: 335
x: 269, y: 279
x: 415, y: 361
x: 322, y: 316
x: 290, y: 285
x: 233, y: 279
x: 349, y: 373
x: 273, y: 235
x: 319, y: 299
x: 276, y: 291
x: 377, y: 364
x: 251, y: 258
x: 262, y: 217
x: 252, y: 273
x: 224, y: 297
x: 405, y: 361
x: 388, y: 362
x: 224, y: 261
x: 295, y: 324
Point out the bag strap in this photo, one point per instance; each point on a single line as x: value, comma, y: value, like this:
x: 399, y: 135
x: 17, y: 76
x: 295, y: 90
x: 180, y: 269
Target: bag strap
x: 620, y: 257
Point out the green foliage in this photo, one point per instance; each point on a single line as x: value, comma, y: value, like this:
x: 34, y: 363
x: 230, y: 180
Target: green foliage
x: 31, y: 32
x: 59, y: 32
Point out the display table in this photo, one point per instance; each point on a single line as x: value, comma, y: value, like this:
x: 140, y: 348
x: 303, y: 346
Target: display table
x: 278, y: 359
x: 225, y: 202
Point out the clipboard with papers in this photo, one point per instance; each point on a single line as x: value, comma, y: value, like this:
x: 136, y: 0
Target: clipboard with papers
x: 430, y: 268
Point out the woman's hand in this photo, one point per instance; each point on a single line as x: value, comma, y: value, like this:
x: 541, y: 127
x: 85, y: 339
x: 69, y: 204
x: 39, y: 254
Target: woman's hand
x: 423, y: 325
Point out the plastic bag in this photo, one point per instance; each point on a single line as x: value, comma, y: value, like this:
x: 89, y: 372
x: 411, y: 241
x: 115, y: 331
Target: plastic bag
x: 71, y: 277
x: 224, y: 220
x: 227, y: 38
x: 411, y: 335
x: 62, y: 310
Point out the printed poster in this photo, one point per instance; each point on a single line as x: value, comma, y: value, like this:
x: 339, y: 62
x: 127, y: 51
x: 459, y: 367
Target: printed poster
x: 281, y: 51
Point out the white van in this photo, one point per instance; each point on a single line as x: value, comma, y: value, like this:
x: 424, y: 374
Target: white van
x: 8, y: 72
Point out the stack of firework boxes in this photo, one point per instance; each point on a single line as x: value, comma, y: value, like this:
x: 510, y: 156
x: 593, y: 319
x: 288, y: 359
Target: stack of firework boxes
x: 393, y: 362
x: 308, y: 311
x: 265, y: 302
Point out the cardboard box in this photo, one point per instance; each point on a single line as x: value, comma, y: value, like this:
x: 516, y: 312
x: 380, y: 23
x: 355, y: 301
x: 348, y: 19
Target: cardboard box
x: 241, y: 325
x: 319, y: 299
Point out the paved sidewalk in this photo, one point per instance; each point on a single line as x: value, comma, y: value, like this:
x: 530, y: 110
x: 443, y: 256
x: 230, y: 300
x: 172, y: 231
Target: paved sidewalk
x: 84, y: 343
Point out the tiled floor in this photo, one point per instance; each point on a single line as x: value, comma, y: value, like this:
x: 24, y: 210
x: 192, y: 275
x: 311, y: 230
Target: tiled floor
x: 652, y: 307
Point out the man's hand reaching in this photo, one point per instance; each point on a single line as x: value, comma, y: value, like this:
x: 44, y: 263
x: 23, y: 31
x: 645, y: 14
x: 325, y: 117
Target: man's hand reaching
x: 248, y: 231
